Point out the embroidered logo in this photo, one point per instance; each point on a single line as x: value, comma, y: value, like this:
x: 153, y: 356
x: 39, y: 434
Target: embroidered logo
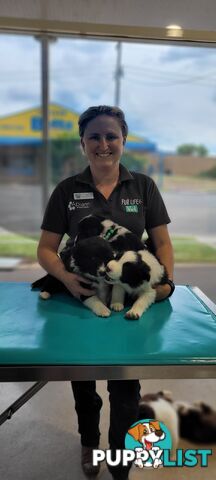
x: 131, y: 208
x: 73, y: 205
x: 131, y: 201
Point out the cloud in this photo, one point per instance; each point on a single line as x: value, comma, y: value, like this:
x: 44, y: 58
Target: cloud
x: 194, y: 54
x: 167, y: 92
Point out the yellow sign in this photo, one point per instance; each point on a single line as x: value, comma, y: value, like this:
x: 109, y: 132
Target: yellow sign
x: 28, y: 125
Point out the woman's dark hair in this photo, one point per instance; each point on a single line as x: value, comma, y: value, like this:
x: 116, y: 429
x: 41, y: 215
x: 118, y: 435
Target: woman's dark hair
x: 93, y: 112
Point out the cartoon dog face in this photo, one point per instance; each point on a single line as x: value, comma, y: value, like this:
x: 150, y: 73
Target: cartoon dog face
x: 147, y: 433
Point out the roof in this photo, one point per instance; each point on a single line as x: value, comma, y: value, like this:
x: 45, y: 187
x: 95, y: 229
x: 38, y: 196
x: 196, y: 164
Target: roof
x: 25, y: 127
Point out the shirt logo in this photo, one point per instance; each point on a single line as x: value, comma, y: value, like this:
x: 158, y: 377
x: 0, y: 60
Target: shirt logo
x: 83, y: 195
x: 131, y: 208
x: 131, y: 201
x: 73, y: 205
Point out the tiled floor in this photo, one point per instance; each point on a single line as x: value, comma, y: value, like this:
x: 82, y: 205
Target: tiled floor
x: 41, y: 442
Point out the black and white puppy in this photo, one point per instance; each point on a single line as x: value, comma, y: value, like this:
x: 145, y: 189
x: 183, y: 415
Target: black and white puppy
x: 87, y: 258
x: 197, y: 422
x: 135, y: 273
x: 159, y: 406
x: 120, y: 238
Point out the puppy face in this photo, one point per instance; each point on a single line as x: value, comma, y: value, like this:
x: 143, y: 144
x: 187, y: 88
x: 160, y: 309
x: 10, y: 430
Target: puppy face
x: 90, y: 256
x: 129, y: 269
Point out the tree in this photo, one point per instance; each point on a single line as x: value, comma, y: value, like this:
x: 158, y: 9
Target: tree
x: 67, y: 158
x: 202, y: 151
x: 134, y: 162
x: 192, y: 149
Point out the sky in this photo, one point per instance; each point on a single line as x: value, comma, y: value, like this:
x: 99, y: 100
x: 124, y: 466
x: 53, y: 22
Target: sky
x: 168, y: 92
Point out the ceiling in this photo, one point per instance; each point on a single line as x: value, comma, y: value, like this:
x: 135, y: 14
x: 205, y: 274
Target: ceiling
x: 132, y: 19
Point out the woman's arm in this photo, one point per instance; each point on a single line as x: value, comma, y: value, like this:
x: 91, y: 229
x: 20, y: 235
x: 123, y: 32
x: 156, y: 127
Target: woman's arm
x: 47, y: 256
x: 164, y: 252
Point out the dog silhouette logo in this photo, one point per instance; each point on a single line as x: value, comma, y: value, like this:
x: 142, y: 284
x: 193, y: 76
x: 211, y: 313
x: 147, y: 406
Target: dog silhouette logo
x: 148, y: 438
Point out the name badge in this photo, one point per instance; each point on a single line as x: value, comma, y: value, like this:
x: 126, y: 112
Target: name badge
x: 83, y: 196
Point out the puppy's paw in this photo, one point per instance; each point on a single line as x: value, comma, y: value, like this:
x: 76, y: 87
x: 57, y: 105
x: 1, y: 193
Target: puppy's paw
x: 45, y: 295
x: 97, y: 306
x: 102, y: 311
x: 157, y: 463
x: 132, y: 314
x: 138, y: 462
x: 117, y: 307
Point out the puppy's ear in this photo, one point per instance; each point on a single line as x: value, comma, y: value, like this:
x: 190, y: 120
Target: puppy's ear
x: 204, y: 408
x: 166, y: 394
x: 137, y: 431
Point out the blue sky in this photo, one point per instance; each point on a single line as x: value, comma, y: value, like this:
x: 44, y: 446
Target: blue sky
x: 168, y: 92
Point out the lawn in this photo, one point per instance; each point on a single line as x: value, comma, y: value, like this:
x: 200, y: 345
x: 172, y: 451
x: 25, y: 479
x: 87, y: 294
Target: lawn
x: 186, y: 249
x: 13, y: 245
x: 190, y: 250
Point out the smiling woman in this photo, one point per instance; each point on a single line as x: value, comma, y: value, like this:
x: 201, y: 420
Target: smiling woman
x: 130, y: 199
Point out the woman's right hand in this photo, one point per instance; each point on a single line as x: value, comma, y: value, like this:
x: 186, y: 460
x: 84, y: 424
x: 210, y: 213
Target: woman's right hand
x: 72, y: 283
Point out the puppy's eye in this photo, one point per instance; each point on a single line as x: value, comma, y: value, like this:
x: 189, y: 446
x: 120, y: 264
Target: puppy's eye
x: 145, y: 431
x: 151, y: 429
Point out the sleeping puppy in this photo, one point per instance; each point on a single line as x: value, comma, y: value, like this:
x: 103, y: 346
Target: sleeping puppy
x: 159, y: 406
x: 87, y: 258
x: 134, y: 273
x: 120, y: 238
x: 197, y: 422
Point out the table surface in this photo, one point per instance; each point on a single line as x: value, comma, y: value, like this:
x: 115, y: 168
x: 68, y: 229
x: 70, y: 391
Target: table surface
x: 62, y: 332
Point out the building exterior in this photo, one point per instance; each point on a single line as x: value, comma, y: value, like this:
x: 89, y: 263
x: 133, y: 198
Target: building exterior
x: 21, y: 156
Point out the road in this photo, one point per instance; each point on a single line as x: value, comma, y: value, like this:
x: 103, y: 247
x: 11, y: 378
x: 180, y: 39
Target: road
x: 191, y: 213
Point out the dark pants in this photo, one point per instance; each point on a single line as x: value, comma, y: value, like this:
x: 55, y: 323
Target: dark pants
x: 124, y: 397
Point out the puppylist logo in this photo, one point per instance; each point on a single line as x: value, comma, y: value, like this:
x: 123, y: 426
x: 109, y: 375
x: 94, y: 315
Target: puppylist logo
x: 148, y: 443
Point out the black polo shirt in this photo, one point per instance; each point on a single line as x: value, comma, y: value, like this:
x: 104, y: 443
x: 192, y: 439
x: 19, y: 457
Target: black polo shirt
x: 135, y: 203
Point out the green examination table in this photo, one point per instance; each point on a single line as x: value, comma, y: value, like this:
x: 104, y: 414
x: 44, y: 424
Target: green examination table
x: 60, y: 339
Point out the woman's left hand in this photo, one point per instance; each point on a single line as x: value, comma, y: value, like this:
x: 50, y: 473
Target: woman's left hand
x: 162, y: 291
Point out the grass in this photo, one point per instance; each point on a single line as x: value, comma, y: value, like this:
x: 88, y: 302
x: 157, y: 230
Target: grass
x: 186, y: 249
x: 190, y: 250
x: 13, y: 245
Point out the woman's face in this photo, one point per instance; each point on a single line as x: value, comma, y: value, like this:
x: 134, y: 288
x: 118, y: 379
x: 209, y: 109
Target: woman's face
x: 103, y: 142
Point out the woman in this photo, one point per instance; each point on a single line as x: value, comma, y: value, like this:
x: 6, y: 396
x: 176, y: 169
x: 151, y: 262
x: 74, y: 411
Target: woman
x: 132, y: 200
